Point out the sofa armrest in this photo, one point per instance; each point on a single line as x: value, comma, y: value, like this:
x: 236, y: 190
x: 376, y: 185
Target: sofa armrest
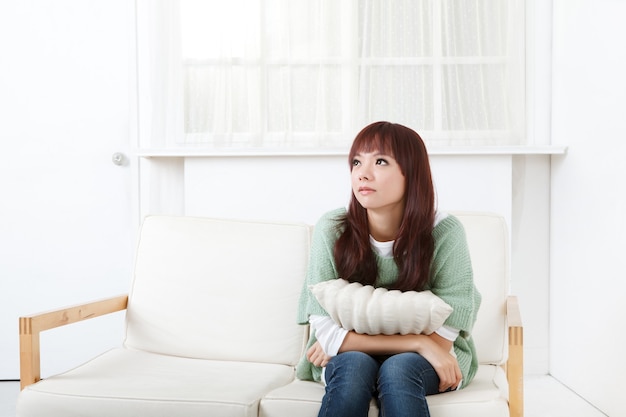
x: 31, y: 326
x: 515, y: 363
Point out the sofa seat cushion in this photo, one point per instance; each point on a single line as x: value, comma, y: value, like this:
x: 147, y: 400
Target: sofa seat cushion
x: 124, y: 382
x: 486, y: 396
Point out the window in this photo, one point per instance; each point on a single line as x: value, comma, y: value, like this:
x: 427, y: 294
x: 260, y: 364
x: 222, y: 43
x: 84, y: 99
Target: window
x: 308, y: 74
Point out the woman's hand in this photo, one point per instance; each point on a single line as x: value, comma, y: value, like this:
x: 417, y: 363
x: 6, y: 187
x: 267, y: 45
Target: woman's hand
x: 317, y: 356
x: 436, y: 350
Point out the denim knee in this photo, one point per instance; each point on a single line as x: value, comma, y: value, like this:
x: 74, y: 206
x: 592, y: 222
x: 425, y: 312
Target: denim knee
x: 408, y: 371
x: 352, y: 368
x: 350, y: 385
x: 404, y: 382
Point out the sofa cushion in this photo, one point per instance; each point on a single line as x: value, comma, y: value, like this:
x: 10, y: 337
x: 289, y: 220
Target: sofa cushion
x: 123, y: 382
x: 370, y: 310
x: 299, y: 398
x: 486, y: 396
x: 218, y: 289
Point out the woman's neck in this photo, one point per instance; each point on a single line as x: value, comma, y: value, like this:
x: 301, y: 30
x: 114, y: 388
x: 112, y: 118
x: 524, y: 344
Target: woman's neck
x: 384, y: 227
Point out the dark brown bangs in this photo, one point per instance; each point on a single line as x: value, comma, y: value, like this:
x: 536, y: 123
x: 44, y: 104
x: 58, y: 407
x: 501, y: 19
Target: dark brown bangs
x: 374, y: 138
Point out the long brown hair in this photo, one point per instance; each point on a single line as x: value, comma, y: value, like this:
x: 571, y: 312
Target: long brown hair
x: 414, y: 245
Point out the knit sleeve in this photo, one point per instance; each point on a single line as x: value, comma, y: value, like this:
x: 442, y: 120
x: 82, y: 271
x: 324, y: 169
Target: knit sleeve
x: 451, y: 275
x: 321, y: 264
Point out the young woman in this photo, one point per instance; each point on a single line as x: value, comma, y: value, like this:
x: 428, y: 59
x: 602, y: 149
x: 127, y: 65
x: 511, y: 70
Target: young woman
x: 390, y: 236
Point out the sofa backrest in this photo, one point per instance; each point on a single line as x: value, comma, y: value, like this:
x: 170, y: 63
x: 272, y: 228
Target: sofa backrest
x: 218, y: 289
x: 228, y: 290
x: 487, y: 236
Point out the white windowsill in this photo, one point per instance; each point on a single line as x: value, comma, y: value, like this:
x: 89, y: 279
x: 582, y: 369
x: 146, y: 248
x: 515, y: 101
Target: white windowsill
x: 434, y: 151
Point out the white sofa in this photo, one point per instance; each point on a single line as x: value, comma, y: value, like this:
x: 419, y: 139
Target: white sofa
x: 211, y: 329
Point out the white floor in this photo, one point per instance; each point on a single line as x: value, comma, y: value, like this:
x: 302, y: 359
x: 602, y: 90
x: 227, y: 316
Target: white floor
x: 543, y: 397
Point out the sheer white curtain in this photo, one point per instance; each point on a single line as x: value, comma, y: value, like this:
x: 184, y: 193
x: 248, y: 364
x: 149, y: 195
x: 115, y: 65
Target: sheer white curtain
x: 453, y: 70
x: 308, y: 74
x: 159, y: 70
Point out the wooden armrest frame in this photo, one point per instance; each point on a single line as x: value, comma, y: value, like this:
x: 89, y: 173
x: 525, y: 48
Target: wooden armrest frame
x: 515, y: 363
x: 31, y: 326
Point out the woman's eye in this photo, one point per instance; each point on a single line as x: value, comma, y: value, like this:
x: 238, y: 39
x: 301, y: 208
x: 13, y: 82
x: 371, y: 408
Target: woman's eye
x: 355, y: 162
x: 381, y: 161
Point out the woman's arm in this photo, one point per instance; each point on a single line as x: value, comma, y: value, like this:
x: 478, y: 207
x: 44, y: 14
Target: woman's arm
x: 321, y: 265
x: 434, y: 348
x: 452, y: 277
x: 328, y: 333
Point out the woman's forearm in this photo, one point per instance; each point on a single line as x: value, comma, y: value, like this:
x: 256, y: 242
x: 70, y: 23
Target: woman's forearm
x: 392, y: 344
x: 380, y: 344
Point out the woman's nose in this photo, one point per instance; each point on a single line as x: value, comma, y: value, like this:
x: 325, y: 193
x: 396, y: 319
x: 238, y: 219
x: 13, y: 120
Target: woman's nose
x: 363, y: 172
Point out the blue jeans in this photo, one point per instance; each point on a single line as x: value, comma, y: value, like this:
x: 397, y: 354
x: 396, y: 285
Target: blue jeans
x: 399, y: 382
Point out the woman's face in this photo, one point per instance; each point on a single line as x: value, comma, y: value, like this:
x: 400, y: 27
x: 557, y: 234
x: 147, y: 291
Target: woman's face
x: 377, y: 181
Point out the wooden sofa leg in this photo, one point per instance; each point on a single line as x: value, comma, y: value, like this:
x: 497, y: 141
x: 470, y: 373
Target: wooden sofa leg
x: 515, y: 363
x: 29, y: 353
x: 516, y: 373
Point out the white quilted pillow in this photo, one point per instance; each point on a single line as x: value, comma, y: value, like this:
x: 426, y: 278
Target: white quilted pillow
x: 370, y: 310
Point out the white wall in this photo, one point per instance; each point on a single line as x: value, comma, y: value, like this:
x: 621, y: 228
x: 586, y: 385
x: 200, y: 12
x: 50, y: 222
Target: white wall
x: 303, y: 188
x: 588, y: 222
x: 530, y: 255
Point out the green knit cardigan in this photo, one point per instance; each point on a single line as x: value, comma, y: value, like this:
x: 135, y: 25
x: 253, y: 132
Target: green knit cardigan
x: 451, y: 280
